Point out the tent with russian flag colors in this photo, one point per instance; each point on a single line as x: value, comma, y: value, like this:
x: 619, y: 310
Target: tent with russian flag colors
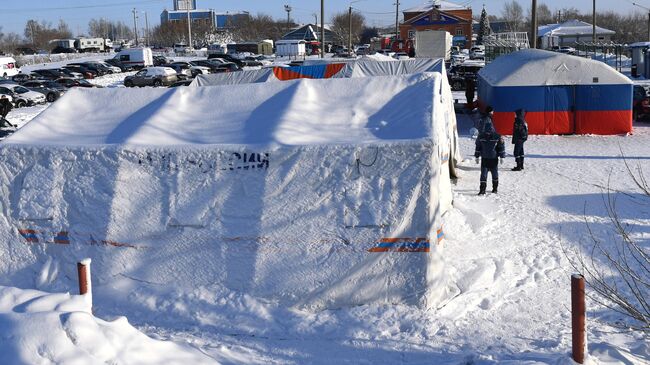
x: 562, y: 94
x: 308, y: 193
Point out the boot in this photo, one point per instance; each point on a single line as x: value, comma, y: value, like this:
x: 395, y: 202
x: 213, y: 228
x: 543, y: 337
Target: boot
x: 521, y: 163
x: 495, y: 185
x: 482, y: 188
x: 518, y: 167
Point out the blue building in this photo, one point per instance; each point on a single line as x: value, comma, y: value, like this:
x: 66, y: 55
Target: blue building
x: 218, y: 20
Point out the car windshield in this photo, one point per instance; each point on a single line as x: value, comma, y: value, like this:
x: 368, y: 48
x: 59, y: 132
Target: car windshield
x: 84, y: 82
x: 20, y: 90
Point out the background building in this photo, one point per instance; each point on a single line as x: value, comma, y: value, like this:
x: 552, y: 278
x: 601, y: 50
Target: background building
x: 570, y: 32
x: 218, y: 20
x: 439, y: 15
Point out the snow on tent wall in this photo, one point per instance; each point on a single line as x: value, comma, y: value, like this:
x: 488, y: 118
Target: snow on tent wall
x: 302, y: 223
x: 562, y: 94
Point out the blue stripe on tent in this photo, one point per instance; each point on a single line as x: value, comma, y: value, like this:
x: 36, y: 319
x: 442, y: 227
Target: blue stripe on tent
x: 315, y: 71
x: 556, y: 98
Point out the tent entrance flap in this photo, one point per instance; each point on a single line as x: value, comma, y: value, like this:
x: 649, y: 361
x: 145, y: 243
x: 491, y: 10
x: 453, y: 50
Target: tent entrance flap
x: 559, y: 109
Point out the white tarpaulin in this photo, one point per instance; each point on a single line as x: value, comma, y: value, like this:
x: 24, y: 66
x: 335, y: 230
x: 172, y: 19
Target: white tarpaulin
x: 274, y: 191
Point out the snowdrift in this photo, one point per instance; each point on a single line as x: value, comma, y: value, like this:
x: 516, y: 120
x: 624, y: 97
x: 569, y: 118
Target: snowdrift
x: 562, y: 94
x: 44, y: 328
x: 314, y: 193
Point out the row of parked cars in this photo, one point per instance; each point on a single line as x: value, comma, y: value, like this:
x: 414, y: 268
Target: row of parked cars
x: 179, y: 73
x: 47, y: 85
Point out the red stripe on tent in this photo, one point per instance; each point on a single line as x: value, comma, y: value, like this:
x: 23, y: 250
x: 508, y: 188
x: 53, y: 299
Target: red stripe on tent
x: 399, y: 249
x: 62, y: 238
x: 333, y: 69
x: 396, y: 240
x: 566, y: 122
x: 604, y: 122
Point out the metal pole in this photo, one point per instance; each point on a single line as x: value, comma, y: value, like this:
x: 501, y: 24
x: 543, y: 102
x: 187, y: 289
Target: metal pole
x: 648, y: 26
x: 189, y: 25
x: 146, y: 21
x: 322, y: 28
x: 135, y: 27
x: 578, y: 309
x: 396, y: 19
x: 350, y: 30
x: 593, y: 20
x: 533, y: 25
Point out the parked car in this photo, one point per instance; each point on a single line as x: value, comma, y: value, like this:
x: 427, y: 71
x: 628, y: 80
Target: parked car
x: 227, y: 67
x: 641, y: 102
x: 152, y: 76
x: 212, y: 65
x: 161, y: 60
x: 99, y: 69
x: 193, y: 68
x: 85, y: 71
x: 458, y: 74
x: 21, y: 95
x: 477, y: 52
x: 21, y: 78
x: 8, y: 67
x: 181, y: 83
x: 229, y: 58
x: 121, y: 65
x: 258, y: 59
x: 566, y: 50
x: 71, y: 73
x: 48, y: 74
x: 182, y: 72
x: 50, y: 89
x: 70, y: 82
x: 111, y: 68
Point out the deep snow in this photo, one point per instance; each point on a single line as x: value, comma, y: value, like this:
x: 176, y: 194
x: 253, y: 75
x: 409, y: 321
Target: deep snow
x: 503, y: 255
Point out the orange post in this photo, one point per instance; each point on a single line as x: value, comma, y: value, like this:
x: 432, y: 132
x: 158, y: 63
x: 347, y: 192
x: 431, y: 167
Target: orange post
x: 578, y: 309
x: 83, y: 270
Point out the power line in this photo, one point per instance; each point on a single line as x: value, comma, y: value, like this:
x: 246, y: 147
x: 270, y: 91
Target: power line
x: 84, y: 6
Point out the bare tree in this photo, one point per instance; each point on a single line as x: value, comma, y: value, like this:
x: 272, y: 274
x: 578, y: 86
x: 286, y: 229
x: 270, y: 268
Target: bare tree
x: 341, y: 27
x: 618, y: 270
x: 257, y: 28
x: 513, y: 14
x: 40, y: 34
x: 103, y: 28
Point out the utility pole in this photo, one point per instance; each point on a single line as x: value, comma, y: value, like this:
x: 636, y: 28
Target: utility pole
x: 287, y: 8
x: 322, y: 28
x: 396, y: 19
x: 350, y: 30
x: 315, y: 19
x: 593, y: 26
x: 146, y: 22
x: 533, y: 25
x: 189, y: 25
x: 135, y: 26
x: 648, y: 9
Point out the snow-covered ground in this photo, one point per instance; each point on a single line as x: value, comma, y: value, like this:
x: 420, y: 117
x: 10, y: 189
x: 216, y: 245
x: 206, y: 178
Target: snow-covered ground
x: 504, y: 258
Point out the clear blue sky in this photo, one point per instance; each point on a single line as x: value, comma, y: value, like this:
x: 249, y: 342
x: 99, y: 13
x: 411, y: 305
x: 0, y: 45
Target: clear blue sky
x: 77, y: 13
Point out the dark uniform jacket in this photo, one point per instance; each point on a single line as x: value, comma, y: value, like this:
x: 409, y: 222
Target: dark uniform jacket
x: 520, y: 129
x: 490, y: 144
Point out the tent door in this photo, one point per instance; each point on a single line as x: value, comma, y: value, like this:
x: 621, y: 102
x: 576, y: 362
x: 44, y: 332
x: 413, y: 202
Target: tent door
x: 560, y: 109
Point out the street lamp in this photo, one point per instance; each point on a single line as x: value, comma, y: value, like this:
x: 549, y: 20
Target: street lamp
x: 350, y: 25
x: 288, y: 9
x: 648, y: 9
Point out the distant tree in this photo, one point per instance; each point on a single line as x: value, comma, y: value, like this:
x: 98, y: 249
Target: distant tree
x: 40, y: 34
x: 10, y: 42
x: 257, y: 28
x: 484, y: 27
x: 341, y: 27
x: 513, y: 14
x: 102, y: 28
x: 368, y: 33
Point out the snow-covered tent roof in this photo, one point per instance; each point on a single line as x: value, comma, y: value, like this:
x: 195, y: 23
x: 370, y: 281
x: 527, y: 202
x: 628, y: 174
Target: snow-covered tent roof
x: 538, y: 67
x: 443, y: 5
x: 350, y: 69
x: 338, y: 111
x: 571, y: 27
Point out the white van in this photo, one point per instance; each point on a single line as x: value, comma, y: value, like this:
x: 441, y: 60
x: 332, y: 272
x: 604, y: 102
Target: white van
x: 137, y: 57
x: 8, y: 67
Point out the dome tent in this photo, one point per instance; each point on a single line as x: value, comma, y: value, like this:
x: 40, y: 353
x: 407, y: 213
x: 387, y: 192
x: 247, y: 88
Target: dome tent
x: 562, y: 94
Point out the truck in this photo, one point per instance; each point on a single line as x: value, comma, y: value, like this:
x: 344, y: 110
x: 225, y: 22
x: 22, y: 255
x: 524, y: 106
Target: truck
x: 291, y: 48
x: 135, y: 57
x: 90, y: 44
x: 433, y: 44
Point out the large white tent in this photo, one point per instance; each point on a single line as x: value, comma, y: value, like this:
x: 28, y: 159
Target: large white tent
x: 313, y: 193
